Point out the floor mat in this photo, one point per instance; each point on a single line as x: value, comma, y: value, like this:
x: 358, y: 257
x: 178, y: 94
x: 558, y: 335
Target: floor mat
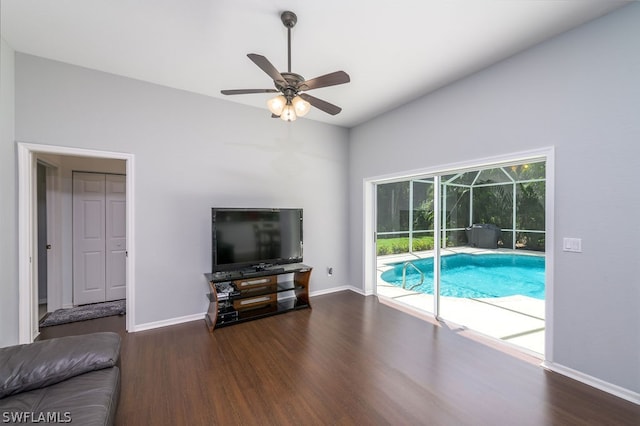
x: 84, y: 312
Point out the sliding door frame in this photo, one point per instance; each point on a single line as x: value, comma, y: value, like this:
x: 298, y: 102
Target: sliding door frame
x: 369, y: 220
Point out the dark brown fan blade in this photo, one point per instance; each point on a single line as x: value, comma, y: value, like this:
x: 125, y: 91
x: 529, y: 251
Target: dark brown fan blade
x: 247, y: 91
x: 267, y: 67
x: 335, y: 78
x: 320, y: 104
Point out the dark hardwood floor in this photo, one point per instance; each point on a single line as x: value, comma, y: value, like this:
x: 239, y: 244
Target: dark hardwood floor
x: 350, y: 360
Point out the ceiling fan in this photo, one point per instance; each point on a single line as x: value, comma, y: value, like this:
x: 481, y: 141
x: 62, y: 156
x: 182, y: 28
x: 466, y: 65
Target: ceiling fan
x: 293, y: 100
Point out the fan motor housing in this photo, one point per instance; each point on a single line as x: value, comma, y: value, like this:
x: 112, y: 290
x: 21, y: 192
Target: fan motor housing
x: 293, y: 82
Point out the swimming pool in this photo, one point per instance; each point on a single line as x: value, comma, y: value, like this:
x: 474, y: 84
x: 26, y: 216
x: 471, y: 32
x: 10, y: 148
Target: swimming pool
x: 476, y: 275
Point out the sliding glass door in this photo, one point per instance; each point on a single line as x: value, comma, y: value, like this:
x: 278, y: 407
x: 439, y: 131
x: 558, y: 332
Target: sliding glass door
x: 405, y: 241
x: 468, y: 247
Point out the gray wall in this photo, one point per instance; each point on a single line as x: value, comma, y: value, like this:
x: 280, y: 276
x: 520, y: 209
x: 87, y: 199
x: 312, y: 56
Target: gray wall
x: 191, y: 152
x: 8, y: 202
x: 579, y: 92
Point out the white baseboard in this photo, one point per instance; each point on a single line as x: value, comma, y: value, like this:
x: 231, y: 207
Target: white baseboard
x: 168, y: 322
x: 616, y: 390
x: 335, y: 290
x: 196, y: 317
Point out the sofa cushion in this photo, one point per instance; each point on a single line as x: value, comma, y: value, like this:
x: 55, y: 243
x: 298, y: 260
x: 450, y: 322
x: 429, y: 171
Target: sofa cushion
x: 90, y: 399
x: 43, y: 363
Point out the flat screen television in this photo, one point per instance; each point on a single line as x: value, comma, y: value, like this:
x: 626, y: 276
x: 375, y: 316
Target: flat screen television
x: 255, y: 238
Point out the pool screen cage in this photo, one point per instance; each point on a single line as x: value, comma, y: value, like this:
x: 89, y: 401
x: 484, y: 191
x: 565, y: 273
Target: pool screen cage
x: 508, y: 200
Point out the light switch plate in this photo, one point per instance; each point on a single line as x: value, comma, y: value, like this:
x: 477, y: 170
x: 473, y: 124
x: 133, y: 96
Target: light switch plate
x: 572, y: 244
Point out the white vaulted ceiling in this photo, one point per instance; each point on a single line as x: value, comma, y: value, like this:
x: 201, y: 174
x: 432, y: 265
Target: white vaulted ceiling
x: 394, y: 51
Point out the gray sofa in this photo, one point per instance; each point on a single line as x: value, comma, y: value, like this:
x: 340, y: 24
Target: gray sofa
x: 72, y: 379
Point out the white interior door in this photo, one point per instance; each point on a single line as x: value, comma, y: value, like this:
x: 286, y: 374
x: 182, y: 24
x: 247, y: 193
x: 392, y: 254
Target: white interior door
x: 88, y: 238
x: 116, y: 237
x: 99, y: 238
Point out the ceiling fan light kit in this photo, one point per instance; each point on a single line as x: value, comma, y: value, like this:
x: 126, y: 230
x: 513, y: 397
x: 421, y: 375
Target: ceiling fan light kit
x: 277, y: 104
x: 301, y: 106
x: 288, y: 113
x: 296, y: 107
x: 292, y: 101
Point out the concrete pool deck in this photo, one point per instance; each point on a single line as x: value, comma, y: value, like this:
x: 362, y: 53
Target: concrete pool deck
x: 518, y: 320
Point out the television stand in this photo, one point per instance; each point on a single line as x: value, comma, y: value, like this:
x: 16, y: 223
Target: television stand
x: 261, y: 271
x: 240, y: 296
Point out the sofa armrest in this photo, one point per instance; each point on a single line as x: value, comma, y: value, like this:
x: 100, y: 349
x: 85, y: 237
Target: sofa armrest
x: 43, y: 363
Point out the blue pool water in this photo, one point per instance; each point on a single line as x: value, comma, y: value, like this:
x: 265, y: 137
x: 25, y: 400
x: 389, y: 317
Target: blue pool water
x: 476, y: 276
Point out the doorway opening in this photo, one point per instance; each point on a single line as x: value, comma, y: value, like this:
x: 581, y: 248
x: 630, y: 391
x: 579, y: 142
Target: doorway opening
x: 58, y: 163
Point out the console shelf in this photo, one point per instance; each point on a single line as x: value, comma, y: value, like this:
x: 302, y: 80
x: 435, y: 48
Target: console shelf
x: 237, y: 296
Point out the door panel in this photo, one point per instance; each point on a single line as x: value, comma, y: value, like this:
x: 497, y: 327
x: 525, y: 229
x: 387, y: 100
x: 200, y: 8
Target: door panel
x: 93, y: 280
x: 116, y: 242
x: 42, y: 233
x: 99, y: 234
x: 88, y: 238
